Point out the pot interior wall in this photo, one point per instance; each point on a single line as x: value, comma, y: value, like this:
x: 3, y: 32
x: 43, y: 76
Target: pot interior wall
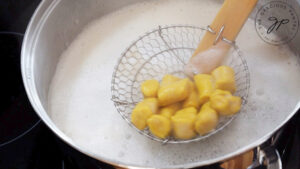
x: 62, y: 22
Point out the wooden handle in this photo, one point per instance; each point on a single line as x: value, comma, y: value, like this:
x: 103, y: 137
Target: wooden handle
x: 240, y: 162
x: 233, y: 14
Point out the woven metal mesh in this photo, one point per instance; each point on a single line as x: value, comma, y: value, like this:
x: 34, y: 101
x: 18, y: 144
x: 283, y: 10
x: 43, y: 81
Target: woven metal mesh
x: 165, y: 51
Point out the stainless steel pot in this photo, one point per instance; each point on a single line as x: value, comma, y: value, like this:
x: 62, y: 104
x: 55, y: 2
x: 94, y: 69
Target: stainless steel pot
x: 55, y: 24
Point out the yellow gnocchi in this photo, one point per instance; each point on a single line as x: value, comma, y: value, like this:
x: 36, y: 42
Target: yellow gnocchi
x: 174, y: 92
x: 206, y: 120
x: 205, y: 86
x: 183, y: 108
x: 159, y: 125
x: 150, y: 88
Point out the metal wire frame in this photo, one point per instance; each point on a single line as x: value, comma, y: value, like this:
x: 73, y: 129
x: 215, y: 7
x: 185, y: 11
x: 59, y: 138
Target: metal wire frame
x: 165, y: 51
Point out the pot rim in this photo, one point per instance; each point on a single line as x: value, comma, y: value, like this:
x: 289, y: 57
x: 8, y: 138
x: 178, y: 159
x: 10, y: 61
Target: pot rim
x: 33, y: 30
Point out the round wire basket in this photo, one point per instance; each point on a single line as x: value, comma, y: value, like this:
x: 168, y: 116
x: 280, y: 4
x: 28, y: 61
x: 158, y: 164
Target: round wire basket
x: 166, y: 50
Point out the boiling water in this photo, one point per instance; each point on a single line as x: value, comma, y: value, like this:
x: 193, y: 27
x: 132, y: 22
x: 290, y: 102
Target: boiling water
x: 80, y: 94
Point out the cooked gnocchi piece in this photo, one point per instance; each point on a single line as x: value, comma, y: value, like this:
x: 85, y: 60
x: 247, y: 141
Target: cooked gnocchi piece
x: 183, y: 108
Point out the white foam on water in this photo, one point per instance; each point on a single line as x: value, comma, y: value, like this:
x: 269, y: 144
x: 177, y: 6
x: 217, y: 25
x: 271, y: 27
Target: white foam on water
x: 79, y: 98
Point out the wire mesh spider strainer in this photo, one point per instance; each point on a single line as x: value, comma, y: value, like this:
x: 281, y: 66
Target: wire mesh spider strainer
x: 165, y: 51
